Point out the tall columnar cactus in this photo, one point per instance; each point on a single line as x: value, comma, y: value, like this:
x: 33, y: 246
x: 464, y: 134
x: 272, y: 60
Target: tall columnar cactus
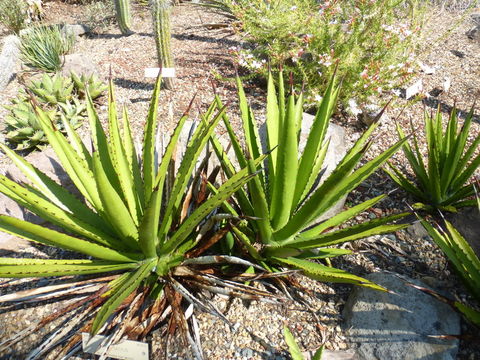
x: 122, y: 10
x: 161, y: 24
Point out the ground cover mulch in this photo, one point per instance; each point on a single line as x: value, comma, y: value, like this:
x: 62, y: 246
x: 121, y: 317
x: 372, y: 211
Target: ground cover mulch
x: 201, y: 53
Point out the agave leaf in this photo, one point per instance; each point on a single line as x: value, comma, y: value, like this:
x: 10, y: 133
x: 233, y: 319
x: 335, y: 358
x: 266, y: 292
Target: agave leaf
x: 131, y: 282
x: 113, y: 207
x: 26, y: 268
x: 272, y: 123
x: 229, y: 170
x: 101, y: 143
x: 56, y: 193
x: 76, y: 142
x: 286, y: 171
x: 260, y: 205
x: 242, y: 160
x: 120, y: 161
x: 169, y: 151
x: 460, y: 253
x: 54, y: 214
x: 249, y: 126
x: 148, y: 143
x: 148, y: 229
x: 306, y: 168
x: 363, y: 230
x: 335, y: 187
x: 327, y: 274
x: 46, y: 236
x: 469, y: 312
x: 132, y: 159
x: 77, y: 169
x: 293, y: 348
x: 403, y: 182
x: 340, y: 218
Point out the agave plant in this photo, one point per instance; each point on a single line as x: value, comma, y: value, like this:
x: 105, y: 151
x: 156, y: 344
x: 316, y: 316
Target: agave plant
x: 85, y: 83
x: 284, y: 198
x: 52, y: 90
x: 22, y: 126
x: 42, y: 47
x: 57, y: 96
x: 141, y: 223
x: 441, y: 180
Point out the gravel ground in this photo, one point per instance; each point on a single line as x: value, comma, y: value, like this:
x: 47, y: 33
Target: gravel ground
x: 201, y: 56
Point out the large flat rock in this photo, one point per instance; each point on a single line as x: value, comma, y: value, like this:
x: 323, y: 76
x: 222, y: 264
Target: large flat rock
x: 399, y: 325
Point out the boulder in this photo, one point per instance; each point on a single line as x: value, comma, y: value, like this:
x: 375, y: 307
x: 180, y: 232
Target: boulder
x: 467, y: 222
x: 75, y: 29
x: 8, y: 59
x: 79, y: 63
x: 399, y: 325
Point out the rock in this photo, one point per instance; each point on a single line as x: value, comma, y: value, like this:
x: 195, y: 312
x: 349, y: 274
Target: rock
x: 8, y: 59
x: 397, y: 326
x: 416, y: 230
x: 333, y: 355
x: 76, y: 30
x: 474, y: 32
x: 467, y: 222
x: 79, y: 63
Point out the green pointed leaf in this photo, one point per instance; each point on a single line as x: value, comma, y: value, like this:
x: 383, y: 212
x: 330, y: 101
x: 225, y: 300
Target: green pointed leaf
x: 148, y: 230
x: 149, y: 174
x: 49, y: 237
x: 114, y: 209
x: 340, y: 218
x: 120, y: 293
x: 293, y: 348
x: 327, y: 274
x: 286, y: 171
x: 26, y: 268
x: 54, y: 214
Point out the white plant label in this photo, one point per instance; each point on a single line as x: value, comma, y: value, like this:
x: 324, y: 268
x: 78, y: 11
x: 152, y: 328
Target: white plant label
x: 124, y: 350
x: 414, y: 89
x: 153, y: 72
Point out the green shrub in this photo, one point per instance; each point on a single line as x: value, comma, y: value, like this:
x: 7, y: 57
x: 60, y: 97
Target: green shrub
x: 284, y: 201
x: 13, y: 14
x: 42, y: 47
x: 140, y: 221
x: 442, y: 176
x: 372, y: 41
x: 99, y: 15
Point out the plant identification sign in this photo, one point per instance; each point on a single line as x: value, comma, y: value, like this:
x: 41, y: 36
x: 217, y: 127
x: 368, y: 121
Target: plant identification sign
x: 125, y: 349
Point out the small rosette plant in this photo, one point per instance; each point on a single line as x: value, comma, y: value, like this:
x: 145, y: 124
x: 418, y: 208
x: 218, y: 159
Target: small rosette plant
x: 442, y: 176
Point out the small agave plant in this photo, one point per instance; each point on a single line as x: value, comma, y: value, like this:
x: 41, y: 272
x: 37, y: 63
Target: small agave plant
x: 139, y: 234
x: 90, y: 84
x: 59, y: 98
